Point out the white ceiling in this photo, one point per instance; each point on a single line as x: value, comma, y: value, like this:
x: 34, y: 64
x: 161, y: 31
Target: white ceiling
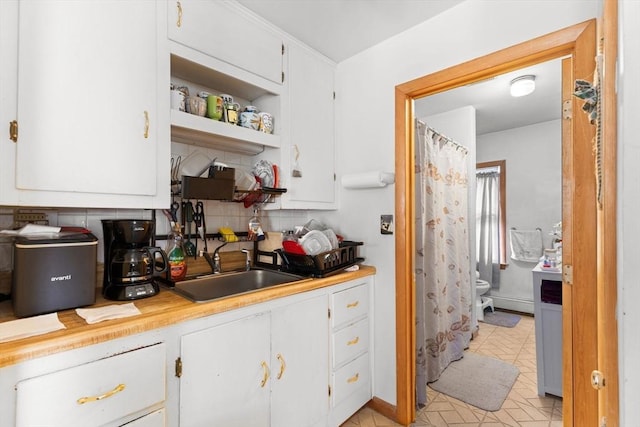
x: 496, y: 110
x: 340, y: 29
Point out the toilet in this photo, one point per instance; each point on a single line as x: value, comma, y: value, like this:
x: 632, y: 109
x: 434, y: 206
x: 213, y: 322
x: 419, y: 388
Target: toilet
x: 482, y: 302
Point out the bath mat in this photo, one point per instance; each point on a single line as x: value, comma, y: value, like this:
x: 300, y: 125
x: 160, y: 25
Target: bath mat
x: 508, y: 320
x: 478, y: 380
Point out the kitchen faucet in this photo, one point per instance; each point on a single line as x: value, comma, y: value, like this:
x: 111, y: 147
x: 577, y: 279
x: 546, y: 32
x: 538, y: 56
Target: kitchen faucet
x: 248, y: 261
x: 216, y: 259
x: 215, y: 262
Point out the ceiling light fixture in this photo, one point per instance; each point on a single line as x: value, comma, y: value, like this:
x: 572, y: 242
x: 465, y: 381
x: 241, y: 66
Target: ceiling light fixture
x: 523, y: 85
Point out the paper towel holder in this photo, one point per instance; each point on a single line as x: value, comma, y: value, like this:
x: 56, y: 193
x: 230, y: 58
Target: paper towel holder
x: 374, y: 179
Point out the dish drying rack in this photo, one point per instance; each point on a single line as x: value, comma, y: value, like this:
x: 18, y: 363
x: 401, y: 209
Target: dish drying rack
x: 221, y: 187
x: 320, y: 265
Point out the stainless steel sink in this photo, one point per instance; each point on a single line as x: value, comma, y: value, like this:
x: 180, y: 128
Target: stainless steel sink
x: 213, y: 286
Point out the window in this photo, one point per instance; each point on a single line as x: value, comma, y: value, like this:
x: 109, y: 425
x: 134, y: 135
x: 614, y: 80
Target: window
x: 499, y: 168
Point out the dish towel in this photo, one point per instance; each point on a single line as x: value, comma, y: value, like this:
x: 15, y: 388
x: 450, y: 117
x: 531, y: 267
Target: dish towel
x: 526, y: 245
x: 99, y: 314
x: 29, y: 326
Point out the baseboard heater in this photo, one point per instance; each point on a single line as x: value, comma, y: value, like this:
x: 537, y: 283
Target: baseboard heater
x: 513, y: 304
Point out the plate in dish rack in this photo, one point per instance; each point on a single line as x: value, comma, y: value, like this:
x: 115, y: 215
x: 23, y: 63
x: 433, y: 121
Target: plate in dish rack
x: 264, y: 171
x: 315, y: 242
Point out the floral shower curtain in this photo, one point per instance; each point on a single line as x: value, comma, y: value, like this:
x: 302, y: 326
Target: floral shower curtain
x: 443, y: 289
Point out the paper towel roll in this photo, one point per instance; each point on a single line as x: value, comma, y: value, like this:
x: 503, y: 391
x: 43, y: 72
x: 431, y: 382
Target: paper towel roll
x: 375, y: 179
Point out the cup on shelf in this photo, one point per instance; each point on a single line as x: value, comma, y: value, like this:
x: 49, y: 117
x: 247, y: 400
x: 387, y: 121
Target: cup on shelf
x: 197, y: 106
x: 178, y: 100
x: 231, y: 113
x: 250, y: 120
x: 226, y: 98
x: 266, y: 122
x: 215, y: 106
x: 185, y: 92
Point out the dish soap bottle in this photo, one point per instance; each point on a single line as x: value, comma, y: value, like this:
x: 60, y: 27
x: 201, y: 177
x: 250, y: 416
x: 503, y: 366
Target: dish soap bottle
x: 176, y: 255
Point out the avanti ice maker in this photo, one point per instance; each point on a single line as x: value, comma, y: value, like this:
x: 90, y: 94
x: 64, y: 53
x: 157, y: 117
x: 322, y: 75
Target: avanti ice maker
x: 53, y: 271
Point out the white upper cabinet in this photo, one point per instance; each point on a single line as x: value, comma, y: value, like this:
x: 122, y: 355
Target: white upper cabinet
x: 90, y: 123
x: 86, y: 86
x: 219, y: 29
x: 310, y: 148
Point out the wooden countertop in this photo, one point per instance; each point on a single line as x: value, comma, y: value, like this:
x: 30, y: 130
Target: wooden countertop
x: 164, y: 309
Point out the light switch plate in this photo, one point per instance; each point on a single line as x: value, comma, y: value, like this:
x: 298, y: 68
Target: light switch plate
x: 386, y: 224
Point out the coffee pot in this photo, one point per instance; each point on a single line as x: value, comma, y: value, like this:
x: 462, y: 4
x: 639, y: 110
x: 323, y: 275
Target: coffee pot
x: 136, y: 265
x: 131, y: 265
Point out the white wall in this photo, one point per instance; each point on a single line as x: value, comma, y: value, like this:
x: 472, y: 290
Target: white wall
x: 629, y: 210
x: 533, y: 157
x: 460, y: 125
x: 365, y: 122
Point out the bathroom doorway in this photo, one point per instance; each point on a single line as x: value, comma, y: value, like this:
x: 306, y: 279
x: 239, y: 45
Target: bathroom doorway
x: 579, y: 213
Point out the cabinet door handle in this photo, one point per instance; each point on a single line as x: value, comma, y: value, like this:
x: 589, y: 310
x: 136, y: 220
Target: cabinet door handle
x: 353, y: 304
x: 108, y: 394
x: 179, y: 23
x: 146, y: 124
x: 13, y: 130
x: 353, y: 341
x: 353, y: 379
x: 283, y: 365
x: 265, y: 373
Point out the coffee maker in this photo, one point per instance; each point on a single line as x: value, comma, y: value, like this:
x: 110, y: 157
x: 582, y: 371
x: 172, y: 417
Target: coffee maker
x: 131, y: 266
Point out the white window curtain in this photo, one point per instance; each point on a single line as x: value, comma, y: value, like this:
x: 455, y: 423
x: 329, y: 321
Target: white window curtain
x: 488, y: 225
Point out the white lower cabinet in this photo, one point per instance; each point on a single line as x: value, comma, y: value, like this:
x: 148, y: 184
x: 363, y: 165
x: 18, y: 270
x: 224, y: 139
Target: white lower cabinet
x: 97, y: 393
x: 351, y: 356
x: 297, y: 361
x: 267, y: 369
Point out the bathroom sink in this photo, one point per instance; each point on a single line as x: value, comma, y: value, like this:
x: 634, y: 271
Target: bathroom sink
x: 214, y: 286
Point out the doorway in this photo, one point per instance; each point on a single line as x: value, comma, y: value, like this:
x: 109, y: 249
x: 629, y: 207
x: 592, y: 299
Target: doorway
x: 579, y: 213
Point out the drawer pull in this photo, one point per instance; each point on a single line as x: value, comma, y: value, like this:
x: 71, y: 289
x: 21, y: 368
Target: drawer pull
x: 353, y: 379
x: 265, y: 373
x: 283, y: 365
x: 353, y: 304
x: 353, y: 341
x: 179, y: 23
x: 110, y: 393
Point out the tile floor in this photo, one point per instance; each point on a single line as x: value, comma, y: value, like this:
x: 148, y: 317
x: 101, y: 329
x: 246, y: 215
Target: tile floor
x: 522, y: 408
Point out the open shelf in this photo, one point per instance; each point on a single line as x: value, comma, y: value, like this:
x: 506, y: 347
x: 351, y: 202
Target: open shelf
x: 191, y: 129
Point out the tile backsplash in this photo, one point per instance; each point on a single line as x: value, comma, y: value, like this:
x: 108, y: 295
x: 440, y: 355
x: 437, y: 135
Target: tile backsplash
x: 217, y: 213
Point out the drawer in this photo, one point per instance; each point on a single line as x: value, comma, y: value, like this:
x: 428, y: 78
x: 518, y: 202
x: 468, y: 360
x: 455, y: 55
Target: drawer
x: 154, y: 419
x: 350, y: 378
x: 349, y: 304
x: 350, y: 341
x: 94, y: 393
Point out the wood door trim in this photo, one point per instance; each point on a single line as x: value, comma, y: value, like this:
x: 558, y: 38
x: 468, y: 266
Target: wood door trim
x: 568, y: 41
x: 567, y: 241
x: 607, y: 222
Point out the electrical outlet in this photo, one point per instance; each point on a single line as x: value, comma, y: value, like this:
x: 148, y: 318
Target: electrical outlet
x: 29, y: 217
x: 22, y: 217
